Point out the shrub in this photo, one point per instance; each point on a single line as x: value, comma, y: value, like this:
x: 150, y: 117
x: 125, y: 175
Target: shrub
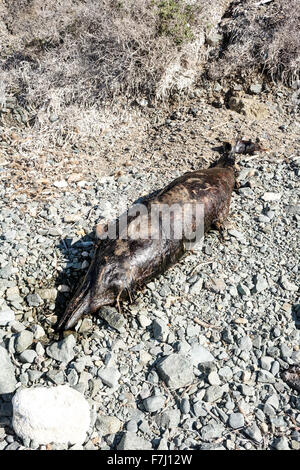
x: 260, y: 38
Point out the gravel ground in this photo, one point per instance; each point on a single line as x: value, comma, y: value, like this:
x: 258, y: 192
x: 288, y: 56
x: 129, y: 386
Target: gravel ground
x: 195, y: 361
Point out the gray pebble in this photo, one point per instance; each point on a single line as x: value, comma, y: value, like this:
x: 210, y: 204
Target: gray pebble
x: 132, y: 426
x: 176, y: 371
x: 27, y: 356
x: 109, y: 376
x: 62, y: 351
x: 130, y: 441
x: 34, y: 300
x: 23, y: 341
x: 236, y: 420
x: 281, y: 443
x: 154, y: 403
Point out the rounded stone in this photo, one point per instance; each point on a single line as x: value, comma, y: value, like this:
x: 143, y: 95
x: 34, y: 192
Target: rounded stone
x: 28, y: 356
x: 236, y: 420
x: 154, y: 403
x: 132, y: 426
x: 51, y: 415
x: 23, y: 341
x: 108, y: 424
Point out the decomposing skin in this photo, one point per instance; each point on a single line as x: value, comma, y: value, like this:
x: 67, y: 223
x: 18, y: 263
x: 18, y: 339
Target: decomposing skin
x: 244, y: 147
x: 121, y: 266
x: 292, y: 377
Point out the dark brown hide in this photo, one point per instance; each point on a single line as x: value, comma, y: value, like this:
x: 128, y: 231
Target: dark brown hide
x: 292, y: 376
x: 121, y: 266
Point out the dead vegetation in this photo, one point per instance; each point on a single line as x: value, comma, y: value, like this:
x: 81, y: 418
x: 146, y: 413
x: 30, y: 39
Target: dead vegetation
x: 81, y: 52
x: 260, y: 37
x: 64, y: 64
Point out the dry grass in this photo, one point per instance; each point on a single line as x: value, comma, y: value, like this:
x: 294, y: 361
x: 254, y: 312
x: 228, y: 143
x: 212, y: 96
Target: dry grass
x: 261, y: 38
x: 84, y: 51
x: 70, y: 58
x: 66, y: 62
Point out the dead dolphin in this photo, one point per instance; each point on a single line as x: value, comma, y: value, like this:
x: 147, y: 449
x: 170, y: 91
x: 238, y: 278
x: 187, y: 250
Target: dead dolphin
x: 124, y: 263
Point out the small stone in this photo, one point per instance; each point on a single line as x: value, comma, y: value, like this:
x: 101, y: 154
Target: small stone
x: 287, y: 285
x: 246, y: 376
x: 256, y: 88
x: 145, y: 358
x: 34, y: 300
x: 243, y: 289
x: 199, y: 354
x: 6, y: 315
x: 62, y: 351
x: 168, y: 419
x: 233, y: 291
x: 47, y: 294
x: 60, y: 184
x: 212, y: 431
x: 109, y: 376
x: 176, y: 371
x: 132, y: 426
x: 196, y: 287
x: 275, y: 368
x: 214, y: 393
x: 260, y: 284
x: 270, y: 197
x: 6, y: 272
x: 72, y: 218
x: 39, y: 349
x: 108, y: 425
x: 113, y: 318
x: 28, y: 356
x: 192, y: 330
x: 10, y: 235
x: 285, y: 351
x: 236, y: 420
x: 23, y: 341
x: 154, y: 403
x: 38, y: 331
x: 235, y: 233
x: 281, y: 443
x: 130, y: 441
x: 217, y: 285
x: 185, y: 406
x: 86, y: 325
x: 17, y: 327
x: 55, y: 414
x: 57, y: 377
x: 225, y: 373
x: 245, y: 343
x: 53, y: 118
x: 265, y: 377
x: 144, y: 321
x: 247, y: 390
x: 266, y: 362
x: 213, y: 378
x: 55, y: 232
x: 13, y: 295
x: 7, y: 374
x: 253, y: 432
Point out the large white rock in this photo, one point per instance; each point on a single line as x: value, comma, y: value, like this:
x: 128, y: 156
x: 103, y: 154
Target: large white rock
x: 51, y: 415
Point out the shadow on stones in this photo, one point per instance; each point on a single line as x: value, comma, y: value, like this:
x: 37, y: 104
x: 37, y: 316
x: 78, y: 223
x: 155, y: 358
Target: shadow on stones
x: 6, y: 411
x: 74, y: 254
x: 296, y: 315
